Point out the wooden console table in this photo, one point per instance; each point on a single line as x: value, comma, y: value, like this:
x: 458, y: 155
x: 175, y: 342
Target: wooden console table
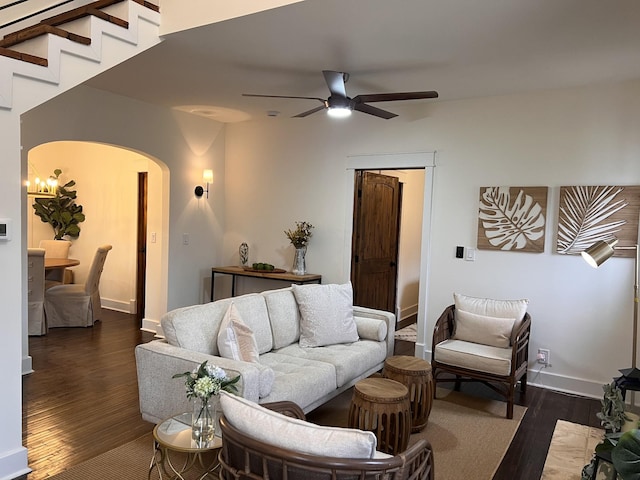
x: 240, y: 272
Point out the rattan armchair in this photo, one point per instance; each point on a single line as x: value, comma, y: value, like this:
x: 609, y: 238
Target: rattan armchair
x: 505, y: 384
x: 243, y: 457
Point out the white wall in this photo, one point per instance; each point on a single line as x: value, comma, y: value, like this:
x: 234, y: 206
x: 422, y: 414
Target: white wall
x: 290, y: 169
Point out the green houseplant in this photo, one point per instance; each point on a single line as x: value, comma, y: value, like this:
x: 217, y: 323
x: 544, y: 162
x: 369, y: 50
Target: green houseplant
x: 61, y: 211
x: 624, y: 448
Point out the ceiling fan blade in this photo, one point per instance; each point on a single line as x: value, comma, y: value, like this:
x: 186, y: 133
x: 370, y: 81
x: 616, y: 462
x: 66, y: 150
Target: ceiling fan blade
x: 281, y: 96
x: 309, y: 112
x: 391, y: 97
x: 375, y: 111
x: 335, y: 82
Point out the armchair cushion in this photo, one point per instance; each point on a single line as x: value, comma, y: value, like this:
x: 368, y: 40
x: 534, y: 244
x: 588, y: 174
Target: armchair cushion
x: 493, y: 308
x: 294, y: 434
x: 327, y: 314
x: 474, y: 356
x: 483, y: 329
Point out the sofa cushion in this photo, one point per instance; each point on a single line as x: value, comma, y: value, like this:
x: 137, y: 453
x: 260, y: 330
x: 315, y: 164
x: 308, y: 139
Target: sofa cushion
x: 350, y: 360
x: 196, y: 327
x: 484, y: 329
x: 294, y: 434
x: 474, y: 356
x: 299, y: 380
x: 284, y: 316
x: 327, y: 314
x: 235, y: 338
x: 493, y: 308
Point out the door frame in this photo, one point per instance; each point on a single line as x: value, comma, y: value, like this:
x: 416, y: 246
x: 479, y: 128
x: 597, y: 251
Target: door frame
x: 421, y: 160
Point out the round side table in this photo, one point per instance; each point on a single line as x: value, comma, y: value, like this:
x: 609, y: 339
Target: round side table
x: 176, y: 453
x: 381, y: 406
x: 415, y: 374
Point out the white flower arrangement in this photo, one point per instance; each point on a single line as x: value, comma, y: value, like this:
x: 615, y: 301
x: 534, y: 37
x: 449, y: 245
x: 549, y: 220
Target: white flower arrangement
x: 207, y: 380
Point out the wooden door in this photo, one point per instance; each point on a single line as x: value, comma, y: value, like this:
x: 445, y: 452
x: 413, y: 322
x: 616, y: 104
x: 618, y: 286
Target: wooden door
x: 141, y: 256
x: 376, y: 228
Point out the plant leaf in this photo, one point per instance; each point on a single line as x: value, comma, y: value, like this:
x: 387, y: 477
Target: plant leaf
x: 582, y: 213
x: 510, y: 225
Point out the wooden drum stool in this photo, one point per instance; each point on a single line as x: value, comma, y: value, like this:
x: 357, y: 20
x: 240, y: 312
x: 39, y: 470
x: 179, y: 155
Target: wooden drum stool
x: 415, y: 374
x: 381, y: 406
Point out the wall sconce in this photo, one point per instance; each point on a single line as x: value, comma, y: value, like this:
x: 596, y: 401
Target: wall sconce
x: 207, y: 178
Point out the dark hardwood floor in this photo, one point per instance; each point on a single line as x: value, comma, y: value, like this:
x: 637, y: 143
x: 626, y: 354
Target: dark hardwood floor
x: 82, y: 400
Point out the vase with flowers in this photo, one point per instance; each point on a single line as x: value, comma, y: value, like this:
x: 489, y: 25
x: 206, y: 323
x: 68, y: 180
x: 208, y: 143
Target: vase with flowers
x: 299, y: 237
x: 203, y: 385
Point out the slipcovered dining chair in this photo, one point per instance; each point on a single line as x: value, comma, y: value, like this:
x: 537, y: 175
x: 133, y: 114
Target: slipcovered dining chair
x: 57, y: 249
x: 483, y: 340
x: 36, y: 321
x: 77, y: 305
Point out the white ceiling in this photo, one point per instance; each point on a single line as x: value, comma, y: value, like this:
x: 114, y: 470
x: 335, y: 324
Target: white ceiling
x: 461, y: 48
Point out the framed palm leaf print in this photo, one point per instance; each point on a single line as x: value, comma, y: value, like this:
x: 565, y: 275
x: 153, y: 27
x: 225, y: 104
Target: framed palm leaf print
x: 512, y: 218
x: 590, y: 213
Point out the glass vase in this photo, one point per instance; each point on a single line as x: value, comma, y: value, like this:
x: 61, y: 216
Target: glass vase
x: 299, y: 264
x: 203, y: 422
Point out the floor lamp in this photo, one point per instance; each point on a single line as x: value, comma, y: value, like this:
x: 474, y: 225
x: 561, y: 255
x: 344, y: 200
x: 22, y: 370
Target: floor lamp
x: 596, y: 255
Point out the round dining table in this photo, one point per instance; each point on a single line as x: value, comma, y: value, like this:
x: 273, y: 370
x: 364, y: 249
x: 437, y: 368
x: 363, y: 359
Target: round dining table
x: 53, y: 263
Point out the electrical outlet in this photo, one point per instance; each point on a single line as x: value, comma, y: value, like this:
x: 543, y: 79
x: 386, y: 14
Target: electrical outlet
x: 544, y: 356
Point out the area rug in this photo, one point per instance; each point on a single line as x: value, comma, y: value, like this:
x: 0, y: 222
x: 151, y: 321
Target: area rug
x: 408, y: 334
x: 469, y: 436
x: 572, y: 446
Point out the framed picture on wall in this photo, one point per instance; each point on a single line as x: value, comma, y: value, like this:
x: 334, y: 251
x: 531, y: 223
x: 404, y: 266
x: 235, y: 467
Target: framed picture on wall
x: 512, y: 218
x: 590, y: 213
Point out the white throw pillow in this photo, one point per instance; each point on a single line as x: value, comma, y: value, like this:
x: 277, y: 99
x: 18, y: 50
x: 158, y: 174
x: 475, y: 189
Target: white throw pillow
x: 235, y: 338
x: 237, y: 341
x: 327, y: 314
x: 282, y: 431
x: 493, y: 308
x: 486, y: 330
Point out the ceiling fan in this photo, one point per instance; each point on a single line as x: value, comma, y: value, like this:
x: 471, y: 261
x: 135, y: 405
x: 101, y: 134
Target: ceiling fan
x: 339, y: 105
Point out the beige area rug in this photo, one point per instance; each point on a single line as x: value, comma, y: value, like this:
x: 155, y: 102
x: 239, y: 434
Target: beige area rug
x: 469, y: 436
x: 408, y: 334
x: 571, y: 448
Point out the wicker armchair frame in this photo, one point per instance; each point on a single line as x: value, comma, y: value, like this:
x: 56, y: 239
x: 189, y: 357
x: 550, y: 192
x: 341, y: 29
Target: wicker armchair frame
x: 243, y: 457
x: 504, y: 385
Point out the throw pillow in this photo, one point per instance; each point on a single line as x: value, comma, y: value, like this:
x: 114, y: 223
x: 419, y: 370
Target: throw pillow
x: 494, y: 308
x: 281, y: 431
x: 483, y: 329
x: 235, y: 338
x: 236, y: 341
x: 326, y: 314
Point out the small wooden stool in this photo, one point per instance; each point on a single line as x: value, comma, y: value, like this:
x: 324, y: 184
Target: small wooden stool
x: 381, y: 406
x: 415, y: 374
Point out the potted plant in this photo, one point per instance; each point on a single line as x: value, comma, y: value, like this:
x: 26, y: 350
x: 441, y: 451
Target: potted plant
x: 61, y: 210
x: 618, y: 424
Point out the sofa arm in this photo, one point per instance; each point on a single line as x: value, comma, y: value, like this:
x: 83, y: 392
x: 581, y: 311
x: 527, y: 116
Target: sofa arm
x: 388, y: 317
x: 162, y: 396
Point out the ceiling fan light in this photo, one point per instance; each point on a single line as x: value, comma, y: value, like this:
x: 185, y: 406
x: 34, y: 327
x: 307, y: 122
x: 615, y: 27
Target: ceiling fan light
x: 339, y: 112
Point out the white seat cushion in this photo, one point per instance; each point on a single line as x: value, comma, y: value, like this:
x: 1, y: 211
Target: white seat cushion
x: 474, y: 356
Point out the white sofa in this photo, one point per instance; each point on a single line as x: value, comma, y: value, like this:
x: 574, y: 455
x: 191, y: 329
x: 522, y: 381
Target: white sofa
x: 308, y: 376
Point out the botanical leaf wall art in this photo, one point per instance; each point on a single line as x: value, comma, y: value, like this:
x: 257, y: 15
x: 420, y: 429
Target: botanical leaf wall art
x: 590, y: 213
x: 512, y: 218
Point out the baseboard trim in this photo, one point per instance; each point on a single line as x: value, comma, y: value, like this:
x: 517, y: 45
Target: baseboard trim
x: 13, y: 464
